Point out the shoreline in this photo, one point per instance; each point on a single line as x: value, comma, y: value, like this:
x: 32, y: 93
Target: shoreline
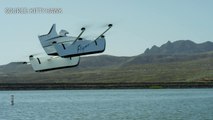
x: 85, y: 86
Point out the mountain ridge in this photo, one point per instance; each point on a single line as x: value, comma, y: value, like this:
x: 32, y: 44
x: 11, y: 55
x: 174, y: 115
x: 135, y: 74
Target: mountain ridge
x: 180, y: 47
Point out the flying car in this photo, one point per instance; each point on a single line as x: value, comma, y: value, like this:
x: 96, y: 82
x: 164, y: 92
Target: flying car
x: 64, y: 51
x: 68, y: 46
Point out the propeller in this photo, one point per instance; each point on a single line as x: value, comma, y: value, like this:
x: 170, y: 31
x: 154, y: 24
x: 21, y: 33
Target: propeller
x: 102, y: 34
x: 82, y: 31
x: 106, y: 25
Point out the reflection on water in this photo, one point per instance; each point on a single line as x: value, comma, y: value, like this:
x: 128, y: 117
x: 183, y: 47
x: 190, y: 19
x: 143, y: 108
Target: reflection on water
x: 160, y: 104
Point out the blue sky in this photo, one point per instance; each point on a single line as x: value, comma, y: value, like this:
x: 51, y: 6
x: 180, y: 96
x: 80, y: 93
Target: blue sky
x: 138, y: 24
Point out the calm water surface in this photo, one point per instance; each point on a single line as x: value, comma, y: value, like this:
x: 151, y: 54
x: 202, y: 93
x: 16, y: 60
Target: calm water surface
x: 159, y: 104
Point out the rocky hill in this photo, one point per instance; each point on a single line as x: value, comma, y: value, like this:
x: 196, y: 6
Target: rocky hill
x: 180, y: 47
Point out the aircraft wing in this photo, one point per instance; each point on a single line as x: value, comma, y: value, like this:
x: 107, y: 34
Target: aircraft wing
x: 81, y: 47
x: 51, y: 63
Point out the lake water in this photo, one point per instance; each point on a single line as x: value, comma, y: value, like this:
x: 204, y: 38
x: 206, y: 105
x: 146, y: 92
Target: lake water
x: 139, y: 104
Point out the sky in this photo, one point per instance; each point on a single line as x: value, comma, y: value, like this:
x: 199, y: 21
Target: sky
x: 138, y: 24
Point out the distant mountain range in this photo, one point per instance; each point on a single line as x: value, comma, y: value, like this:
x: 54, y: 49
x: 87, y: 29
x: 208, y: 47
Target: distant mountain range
x: 180, y: 47
x: 181, y: 60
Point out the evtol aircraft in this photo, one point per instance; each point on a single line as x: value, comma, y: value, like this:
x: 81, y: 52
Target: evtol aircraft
x: 64, y: 51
